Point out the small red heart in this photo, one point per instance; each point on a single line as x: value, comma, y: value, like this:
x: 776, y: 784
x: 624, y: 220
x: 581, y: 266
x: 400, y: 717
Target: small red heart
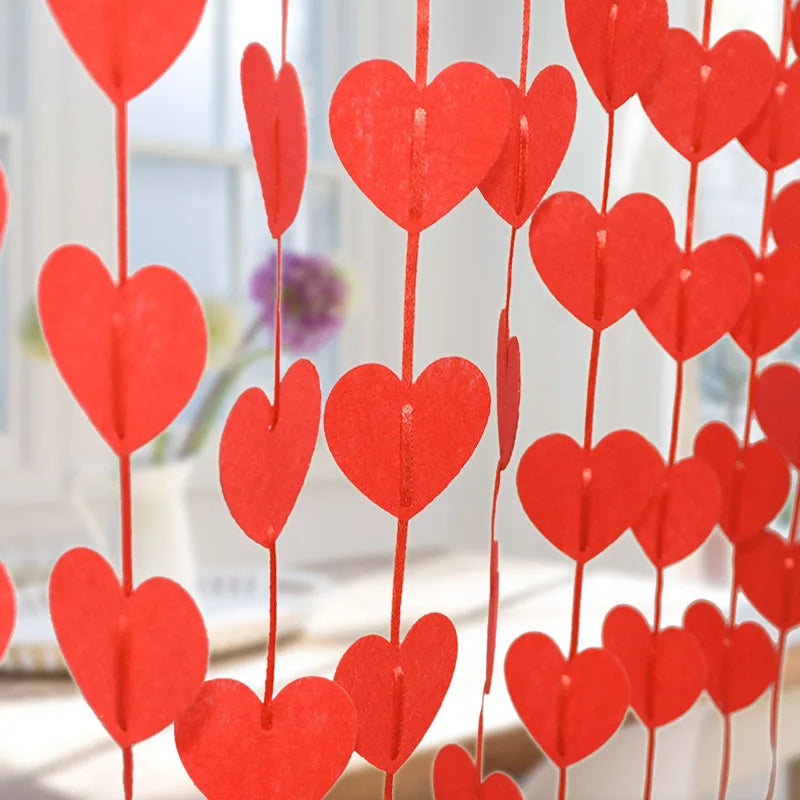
x: 127, y: 46
x: 8, y: 609
x: 699, y: 299
x: 665, y: 669
x: 740, y: 660
x: 777, y: 401
x: 539, y: 134
x: 262, y: 463
x: 570, y: 708
x: 235, y: 749
x: 388, y: 132
x: 397, y: 690
x: 618, y: 43
x: 132, y: 355
x: 599, y: 268
x: 619, y: 476
x: 157, y: 630
x: 785, y: 215
x: 372, y: 418
x: 276, y: 118
x: 698, y: 99
x: 456, y: 777
x: 754, y: 480
x: 509, y: 386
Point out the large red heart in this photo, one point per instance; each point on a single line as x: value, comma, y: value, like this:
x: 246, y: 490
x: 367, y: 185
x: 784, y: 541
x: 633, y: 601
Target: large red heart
x: 740, y: 660
x: 233, y: 751
x: 8, y: 609
x: 402, y: 445
x: 157, y: 631
x: 618, y: 44
x: 397, y: 691
x: 600, y: 268
x: 127, y: 46
x: 699, y: 299
x: 777, y: 402
x: 276, y: 118
x: 132, y: 354
x: 557, y: 481
x: 417, y: 153
x: 509, y: 385
x: 754, y: 480
x: 665, y: 668
x: 263, y: 463
x: 785, y: 215
x: 457, y: 777
x: 699, y: 100
x: 570, y: 708
x: 539, y: 134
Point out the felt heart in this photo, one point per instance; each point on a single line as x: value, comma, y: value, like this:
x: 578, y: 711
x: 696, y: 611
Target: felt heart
x: 127, y: 46
x: 402, y: 445
x: 132, y: 355
x: 539, y: 134
x: 665, y: 670
x: 276, y: 118
x: 754, y: 480
x: 139, y: 660
x: 8, y: 609
x: 235, y: 749
x: 416, y: 152
x: 777, y: 401
x: 599, y: 268
x: 457, y: 777
x: 785, y: 216
x: 699, y: 299
x: 740, y: 659
x: 570, y: 708
x: 698, y: 99
x: 397, y: 690
x: 681, y: 513
x: 768, y: 569
x: 618, y: 44
x: 263, y: 462
x: 509, y: 384
x: 583, y: 501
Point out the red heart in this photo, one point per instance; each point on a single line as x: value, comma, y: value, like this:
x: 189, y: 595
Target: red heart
x: 619, y: 476
x: 539, y: 134
x: 618, y: 44
x: 665, y: 669
x: 754, y: 480
x: 157, y: 630
x: 699, y: 115
x: 699, y: 300
x: 784, y: 216
x: 276, y: 118
x: 371, y: 418
x: 127, y: 46
x: 388, y: 132
x: 397, y: 690
x: 456, y: 777
x: 768, y: 570
x: 234, y: 749
x: 262, y: 463
x: 681, y: 513
x: 740, y: 660
x: 132, y: 355
x: 600, y: 268
x: 8, y: 609
x: 777, y: 400
x: 570, y: 708
x: 509, y: 385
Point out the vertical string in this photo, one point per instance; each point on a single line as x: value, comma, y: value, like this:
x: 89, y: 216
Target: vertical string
x: 526, y: 39
x: 284, y: 29
x: 423, y: 38
x: 269, y: 683
x: 278, y: 300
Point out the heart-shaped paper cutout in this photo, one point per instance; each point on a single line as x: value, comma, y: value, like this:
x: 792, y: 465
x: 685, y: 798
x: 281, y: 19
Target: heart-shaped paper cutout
x: 417, y: 153
x: 700, y: 100
x: 401, y: 446
x: 540, y: 131
x: 276, y: 118
x: 131, y: 355
x: 157, y: 631
x: 666, y: 672
x: 457, y: 777
x: 8, y: 609
x: 618, y: 44
x: 234, y: 749
x: 785, y: 216
x: 558, y: 482
x: 262, y: 463
x: 600, y: 268
x: 127, y: 46
x: 777, y: 403
x: 740, y: 660
x: 570, y: 708
x: 509, y: 386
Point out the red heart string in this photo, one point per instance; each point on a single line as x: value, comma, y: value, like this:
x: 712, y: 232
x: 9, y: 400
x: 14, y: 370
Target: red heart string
x: 784, y: 216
